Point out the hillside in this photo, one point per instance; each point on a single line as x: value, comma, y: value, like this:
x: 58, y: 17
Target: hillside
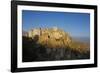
x: 53, y: 44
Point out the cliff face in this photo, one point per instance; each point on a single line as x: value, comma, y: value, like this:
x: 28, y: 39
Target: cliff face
x: 56, y: 38
x: 52, y: 44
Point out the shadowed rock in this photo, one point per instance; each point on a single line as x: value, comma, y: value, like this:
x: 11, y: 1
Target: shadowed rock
x: 53, y: 44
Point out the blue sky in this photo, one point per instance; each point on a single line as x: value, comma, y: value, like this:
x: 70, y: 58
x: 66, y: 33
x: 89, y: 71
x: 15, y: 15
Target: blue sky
x: 77, y: 24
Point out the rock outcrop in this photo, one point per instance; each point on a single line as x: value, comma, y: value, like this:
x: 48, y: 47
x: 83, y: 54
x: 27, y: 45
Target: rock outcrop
x: 56, y: 38
x: 52, y: 44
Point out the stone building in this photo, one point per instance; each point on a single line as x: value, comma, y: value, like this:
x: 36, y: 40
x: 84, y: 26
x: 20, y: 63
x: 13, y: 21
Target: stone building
x: 34, y: 32
x: 52, y: 33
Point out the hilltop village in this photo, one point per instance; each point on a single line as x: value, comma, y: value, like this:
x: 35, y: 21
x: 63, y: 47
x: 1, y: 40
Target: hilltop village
x: 50, y: 32
x: 55, y: 38
x: 42, y: 44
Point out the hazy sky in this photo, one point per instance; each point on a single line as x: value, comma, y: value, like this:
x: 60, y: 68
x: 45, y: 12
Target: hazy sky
x: 77, y: 24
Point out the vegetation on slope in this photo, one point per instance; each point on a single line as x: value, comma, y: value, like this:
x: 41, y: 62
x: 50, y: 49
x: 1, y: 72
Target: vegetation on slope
x: 53, y: 45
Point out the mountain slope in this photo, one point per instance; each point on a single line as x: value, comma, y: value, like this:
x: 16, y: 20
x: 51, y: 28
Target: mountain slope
x: 53, y: 44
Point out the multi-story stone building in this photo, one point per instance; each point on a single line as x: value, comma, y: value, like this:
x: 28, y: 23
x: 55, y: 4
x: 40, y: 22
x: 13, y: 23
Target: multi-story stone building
x: 34, y: 32
x: 52, y: 33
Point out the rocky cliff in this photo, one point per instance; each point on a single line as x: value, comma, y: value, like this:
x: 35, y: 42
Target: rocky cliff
x: 57, y: 38
x: 53, y: 44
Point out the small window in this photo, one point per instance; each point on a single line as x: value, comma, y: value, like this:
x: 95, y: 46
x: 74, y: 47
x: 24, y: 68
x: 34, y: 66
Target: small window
x: 48, y: 36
